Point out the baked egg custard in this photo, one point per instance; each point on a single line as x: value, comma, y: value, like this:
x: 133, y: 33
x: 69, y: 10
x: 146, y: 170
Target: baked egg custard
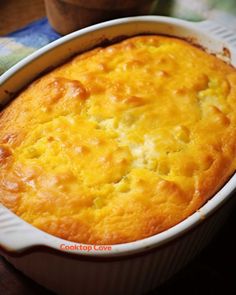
x: 121, y: 142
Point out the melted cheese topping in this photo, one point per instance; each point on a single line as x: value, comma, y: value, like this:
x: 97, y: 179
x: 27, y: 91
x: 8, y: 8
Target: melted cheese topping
x: 121, y: 142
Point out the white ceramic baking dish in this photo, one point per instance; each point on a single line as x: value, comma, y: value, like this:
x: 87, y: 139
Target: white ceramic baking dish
x: 132, y: 268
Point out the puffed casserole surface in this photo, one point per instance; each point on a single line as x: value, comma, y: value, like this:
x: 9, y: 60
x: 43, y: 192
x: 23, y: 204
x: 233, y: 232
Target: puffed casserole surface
x: 121, y: 142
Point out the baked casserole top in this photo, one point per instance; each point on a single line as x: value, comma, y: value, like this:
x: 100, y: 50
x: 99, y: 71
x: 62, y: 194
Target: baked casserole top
x: 121, y: 142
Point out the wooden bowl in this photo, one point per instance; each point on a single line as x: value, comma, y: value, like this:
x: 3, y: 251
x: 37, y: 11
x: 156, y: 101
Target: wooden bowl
x: 66, y: 16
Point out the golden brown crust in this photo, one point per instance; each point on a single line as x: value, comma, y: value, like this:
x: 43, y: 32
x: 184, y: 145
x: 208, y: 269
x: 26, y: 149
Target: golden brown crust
x: 120, y: 143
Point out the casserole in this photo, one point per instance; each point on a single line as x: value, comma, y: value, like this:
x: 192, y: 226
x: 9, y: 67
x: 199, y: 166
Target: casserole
x: 132, y: 268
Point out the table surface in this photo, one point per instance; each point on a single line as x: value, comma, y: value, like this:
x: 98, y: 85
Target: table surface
x: 212, y: 271
x: 15, y: 14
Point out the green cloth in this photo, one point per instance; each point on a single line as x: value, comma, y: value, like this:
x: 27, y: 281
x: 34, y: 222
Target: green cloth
x: 222, y: 11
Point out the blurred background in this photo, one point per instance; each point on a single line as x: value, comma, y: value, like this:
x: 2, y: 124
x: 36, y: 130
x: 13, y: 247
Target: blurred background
x: 15, y: 14
x: 26, y: 25
x: 24, y: 28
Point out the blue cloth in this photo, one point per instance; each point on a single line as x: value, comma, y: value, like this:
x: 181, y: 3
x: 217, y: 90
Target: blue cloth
x: 36, y: 34
x: 23, y: 42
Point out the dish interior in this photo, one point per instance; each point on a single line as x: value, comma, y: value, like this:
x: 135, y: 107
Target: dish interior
x: 124, y: 142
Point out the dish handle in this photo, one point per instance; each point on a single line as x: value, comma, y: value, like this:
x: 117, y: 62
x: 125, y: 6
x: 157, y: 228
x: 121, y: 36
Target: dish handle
x: 217, y: 30
x: 17, y: 235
